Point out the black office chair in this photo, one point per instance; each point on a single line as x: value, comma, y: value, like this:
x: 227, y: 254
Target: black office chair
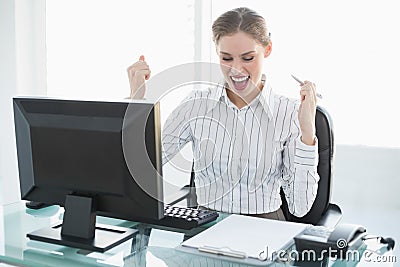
x: 322, y: 212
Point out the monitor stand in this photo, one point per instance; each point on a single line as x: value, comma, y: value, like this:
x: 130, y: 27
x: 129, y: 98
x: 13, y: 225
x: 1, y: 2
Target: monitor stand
x: 79, y: 228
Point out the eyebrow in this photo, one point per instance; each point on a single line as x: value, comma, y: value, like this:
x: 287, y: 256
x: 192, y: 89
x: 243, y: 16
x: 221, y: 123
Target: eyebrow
x: 244, y: 54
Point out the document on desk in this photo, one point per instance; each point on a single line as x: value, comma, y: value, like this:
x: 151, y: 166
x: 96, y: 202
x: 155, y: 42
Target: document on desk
x: 241, y: 236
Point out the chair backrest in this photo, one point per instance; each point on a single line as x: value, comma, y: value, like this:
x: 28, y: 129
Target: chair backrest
x: 324, y: 132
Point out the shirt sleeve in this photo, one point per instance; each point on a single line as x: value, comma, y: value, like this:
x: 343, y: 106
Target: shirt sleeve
x: 176, y: 131
x: 300, y: 177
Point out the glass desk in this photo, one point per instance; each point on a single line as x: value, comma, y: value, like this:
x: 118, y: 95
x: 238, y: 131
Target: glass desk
x: 151, y: 247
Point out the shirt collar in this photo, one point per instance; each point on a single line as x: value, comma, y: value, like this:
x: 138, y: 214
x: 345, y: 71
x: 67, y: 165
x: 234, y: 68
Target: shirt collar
x: 266, y: 96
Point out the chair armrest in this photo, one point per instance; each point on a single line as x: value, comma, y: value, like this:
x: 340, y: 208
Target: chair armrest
x: 331, y: 217
x: 183, y: 193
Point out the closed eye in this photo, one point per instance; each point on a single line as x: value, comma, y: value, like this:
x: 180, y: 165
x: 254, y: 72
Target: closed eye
x: 227, y: 59
x: 248, y: 58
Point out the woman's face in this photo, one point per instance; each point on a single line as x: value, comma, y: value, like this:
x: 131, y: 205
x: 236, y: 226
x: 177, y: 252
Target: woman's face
x: 241, y: 59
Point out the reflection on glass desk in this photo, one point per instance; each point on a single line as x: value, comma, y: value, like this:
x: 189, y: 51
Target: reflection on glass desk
x: 151, y: 247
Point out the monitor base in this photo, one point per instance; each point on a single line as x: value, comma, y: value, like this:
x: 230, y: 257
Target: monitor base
x: 106, y: 237
x: 34, y: 205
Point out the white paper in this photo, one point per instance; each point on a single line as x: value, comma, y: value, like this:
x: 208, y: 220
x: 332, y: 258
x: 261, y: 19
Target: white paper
x: 247, y: 234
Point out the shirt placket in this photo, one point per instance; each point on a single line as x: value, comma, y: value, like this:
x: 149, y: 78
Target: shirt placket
x: 237, y: 167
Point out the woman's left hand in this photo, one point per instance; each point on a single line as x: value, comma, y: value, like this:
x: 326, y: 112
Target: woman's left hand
x: 307, y: 112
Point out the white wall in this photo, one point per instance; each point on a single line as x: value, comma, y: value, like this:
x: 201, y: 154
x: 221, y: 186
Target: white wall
x: 91, y: 43
x: 366, y: 185
x: 22, y: 72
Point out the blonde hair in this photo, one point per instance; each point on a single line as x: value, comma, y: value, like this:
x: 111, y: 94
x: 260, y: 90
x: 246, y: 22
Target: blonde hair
x: 241, y: 19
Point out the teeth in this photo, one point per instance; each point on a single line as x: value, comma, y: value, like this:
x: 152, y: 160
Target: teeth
x: 239, y: 79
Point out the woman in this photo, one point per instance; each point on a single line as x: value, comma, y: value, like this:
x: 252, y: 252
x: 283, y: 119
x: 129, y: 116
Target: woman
x: 247, y: 141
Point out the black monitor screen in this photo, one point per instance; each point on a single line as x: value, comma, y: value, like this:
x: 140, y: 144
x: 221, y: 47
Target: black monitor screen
x: 91, y: 148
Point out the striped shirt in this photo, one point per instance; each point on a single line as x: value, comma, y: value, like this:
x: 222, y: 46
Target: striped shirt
x: 242, y: 157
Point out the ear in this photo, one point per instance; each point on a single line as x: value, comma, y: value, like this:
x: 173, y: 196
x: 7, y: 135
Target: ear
x: 268, y: 49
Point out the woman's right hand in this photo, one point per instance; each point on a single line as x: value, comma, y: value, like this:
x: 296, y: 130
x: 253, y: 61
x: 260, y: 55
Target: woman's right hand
x: 138, y: 72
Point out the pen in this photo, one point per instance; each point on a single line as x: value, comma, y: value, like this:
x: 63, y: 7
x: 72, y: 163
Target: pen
x: 301, y: 83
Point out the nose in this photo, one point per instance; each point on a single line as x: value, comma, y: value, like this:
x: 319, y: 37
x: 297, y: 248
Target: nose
x: 236, y: 68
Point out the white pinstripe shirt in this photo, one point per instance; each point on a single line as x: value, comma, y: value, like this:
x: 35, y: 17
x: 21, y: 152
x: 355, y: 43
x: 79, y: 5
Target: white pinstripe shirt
x: 243, y: 157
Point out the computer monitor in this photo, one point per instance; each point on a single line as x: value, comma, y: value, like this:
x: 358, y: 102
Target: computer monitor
x: 91, y: 157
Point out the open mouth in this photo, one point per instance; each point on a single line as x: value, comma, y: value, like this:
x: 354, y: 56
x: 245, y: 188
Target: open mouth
x: 240, y: 82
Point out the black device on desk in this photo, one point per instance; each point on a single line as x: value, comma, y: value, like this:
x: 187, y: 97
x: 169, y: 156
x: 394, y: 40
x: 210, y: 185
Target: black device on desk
x: 92, y: 158
x: 331, y: 242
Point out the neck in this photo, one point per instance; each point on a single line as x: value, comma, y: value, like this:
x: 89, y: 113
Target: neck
x: 237, y: 100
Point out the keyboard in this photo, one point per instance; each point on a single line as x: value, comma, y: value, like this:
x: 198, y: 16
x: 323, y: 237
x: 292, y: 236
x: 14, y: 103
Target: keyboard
x: 185, y: 218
